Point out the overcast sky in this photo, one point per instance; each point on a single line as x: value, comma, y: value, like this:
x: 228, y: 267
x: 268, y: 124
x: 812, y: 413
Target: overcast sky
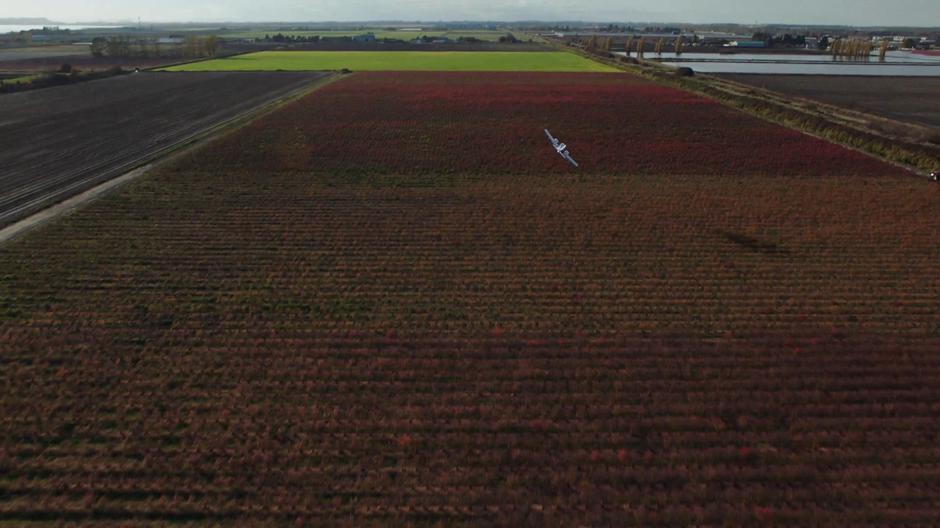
x: 850, y: 12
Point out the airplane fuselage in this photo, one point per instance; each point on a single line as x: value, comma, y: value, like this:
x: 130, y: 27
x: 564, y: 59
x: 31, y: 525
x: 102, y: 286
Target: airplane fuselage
x: 561, y: 148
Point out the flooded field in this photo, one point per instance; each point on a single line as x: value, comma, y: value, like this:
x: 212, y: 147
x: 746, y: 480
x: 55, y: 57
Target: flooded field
x: 897, y: 64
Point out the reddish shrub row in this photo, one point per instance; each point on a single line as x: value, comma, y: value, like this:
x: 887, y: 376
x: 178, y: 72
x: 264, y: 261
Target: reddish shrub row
x: 492, y: 124
x: 262, y: 347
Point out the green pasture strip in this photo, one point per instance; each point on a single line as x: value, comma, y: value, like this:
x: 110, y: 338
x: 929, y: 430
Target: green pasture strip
x: 491, y: 36
x: 22, y: 80
x: 400, y: 61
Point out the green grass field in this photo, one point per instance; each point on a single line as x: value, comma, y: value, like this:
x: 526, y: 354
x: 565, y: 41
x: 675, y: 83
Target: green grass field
x: 491, y: 36
x: 399, y: 61
x: 21, y: 80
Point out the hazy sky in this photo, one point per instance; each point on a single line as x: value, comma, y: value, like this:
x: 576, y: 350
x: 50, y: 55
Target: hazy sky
x: 852, y: 12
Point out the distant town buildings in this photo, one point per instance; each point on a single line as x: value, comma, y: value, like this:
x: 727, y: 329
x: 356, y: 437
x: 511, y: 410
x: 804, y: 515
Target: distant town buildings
x: 366, y: 37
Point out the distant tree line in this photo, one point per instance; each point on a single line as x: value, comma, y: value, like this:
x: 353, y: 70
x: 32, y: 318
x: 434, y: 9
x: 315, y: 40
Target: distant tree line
x: 124, y: 47
x: 659, y: 30
x: 604, y: 45
x: 281, y: 38
x: 784, y: 41
x: 290, y: 39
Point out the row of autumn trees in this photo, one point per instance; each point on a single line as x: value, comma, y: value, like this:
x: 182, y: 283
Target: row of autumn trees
x: 125, y: 47
x: 859, y: 49
x: 633, y: 44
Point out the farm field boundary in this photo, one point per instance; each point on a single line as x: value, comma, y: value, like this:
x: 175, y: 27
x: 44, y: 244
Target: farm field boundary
x: 154, y: 160
x: 837, y: 125
x: 527, y: 47
x: 49, y: 159
x: 903, y: 144
x: 327, y: 35
x: 558, y: 61
x: 908, y: 100
x: 69, y: 205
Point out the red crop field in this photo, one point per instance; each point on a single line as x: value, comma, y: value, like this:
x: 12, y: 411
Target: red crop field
x: 391, y: 303
x: 428, y: 123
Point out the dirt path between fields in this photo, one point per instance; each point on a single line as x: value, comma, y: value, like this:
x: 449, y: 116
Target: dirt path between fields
x: 65, y: 193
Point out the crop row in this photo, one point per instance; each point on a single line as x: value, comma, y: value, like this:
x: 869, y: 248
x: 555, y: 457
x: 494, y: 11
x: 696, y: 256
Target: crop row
x: 481, y: 124
x: 398, y: 427
x: 175, y: 255
x: 381, y: 328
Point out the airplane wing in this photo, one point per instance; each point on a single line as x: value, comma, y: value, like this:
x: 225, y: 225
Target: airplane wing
x: 567, y: 156
x: 551, y: 137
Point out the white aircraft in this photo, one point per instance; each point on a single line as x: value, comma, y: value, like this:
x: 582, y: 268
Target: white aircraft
x: 561, y: 148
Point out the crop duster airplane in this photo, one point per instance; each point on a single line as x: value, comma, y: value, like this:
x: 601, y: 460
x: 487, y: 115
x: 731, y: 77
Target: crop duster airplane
x: 561, y: 148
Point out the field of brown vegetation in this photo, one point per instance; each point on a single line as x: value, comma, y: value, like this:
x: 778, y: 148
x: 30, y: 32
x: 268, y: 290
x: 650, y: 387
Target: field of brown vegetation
x: 363, y: 310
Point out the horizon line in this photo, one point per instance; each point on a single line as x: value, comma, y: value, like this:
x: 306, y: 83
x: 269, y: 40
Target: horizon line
x: 129, y: 22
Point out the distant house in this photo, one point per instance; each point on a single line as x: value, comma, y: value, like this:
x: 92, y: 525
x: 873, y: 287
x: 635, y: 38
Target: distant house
x: 170, y: 40
x: 367, y: 37
x: 712, y: 41
x: 424, y: 39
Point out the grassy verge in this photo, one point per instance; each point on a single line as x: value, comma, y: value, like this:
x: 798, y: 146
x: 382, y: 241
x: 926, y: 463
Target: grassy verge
x: 46, y: 80
x: 25, y: 79
x: 784, y: 110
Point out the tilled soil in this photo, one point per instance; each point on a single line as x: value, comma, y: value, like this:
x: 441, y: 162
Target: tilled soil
x: 909, y: 99
x: 60, y: 141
